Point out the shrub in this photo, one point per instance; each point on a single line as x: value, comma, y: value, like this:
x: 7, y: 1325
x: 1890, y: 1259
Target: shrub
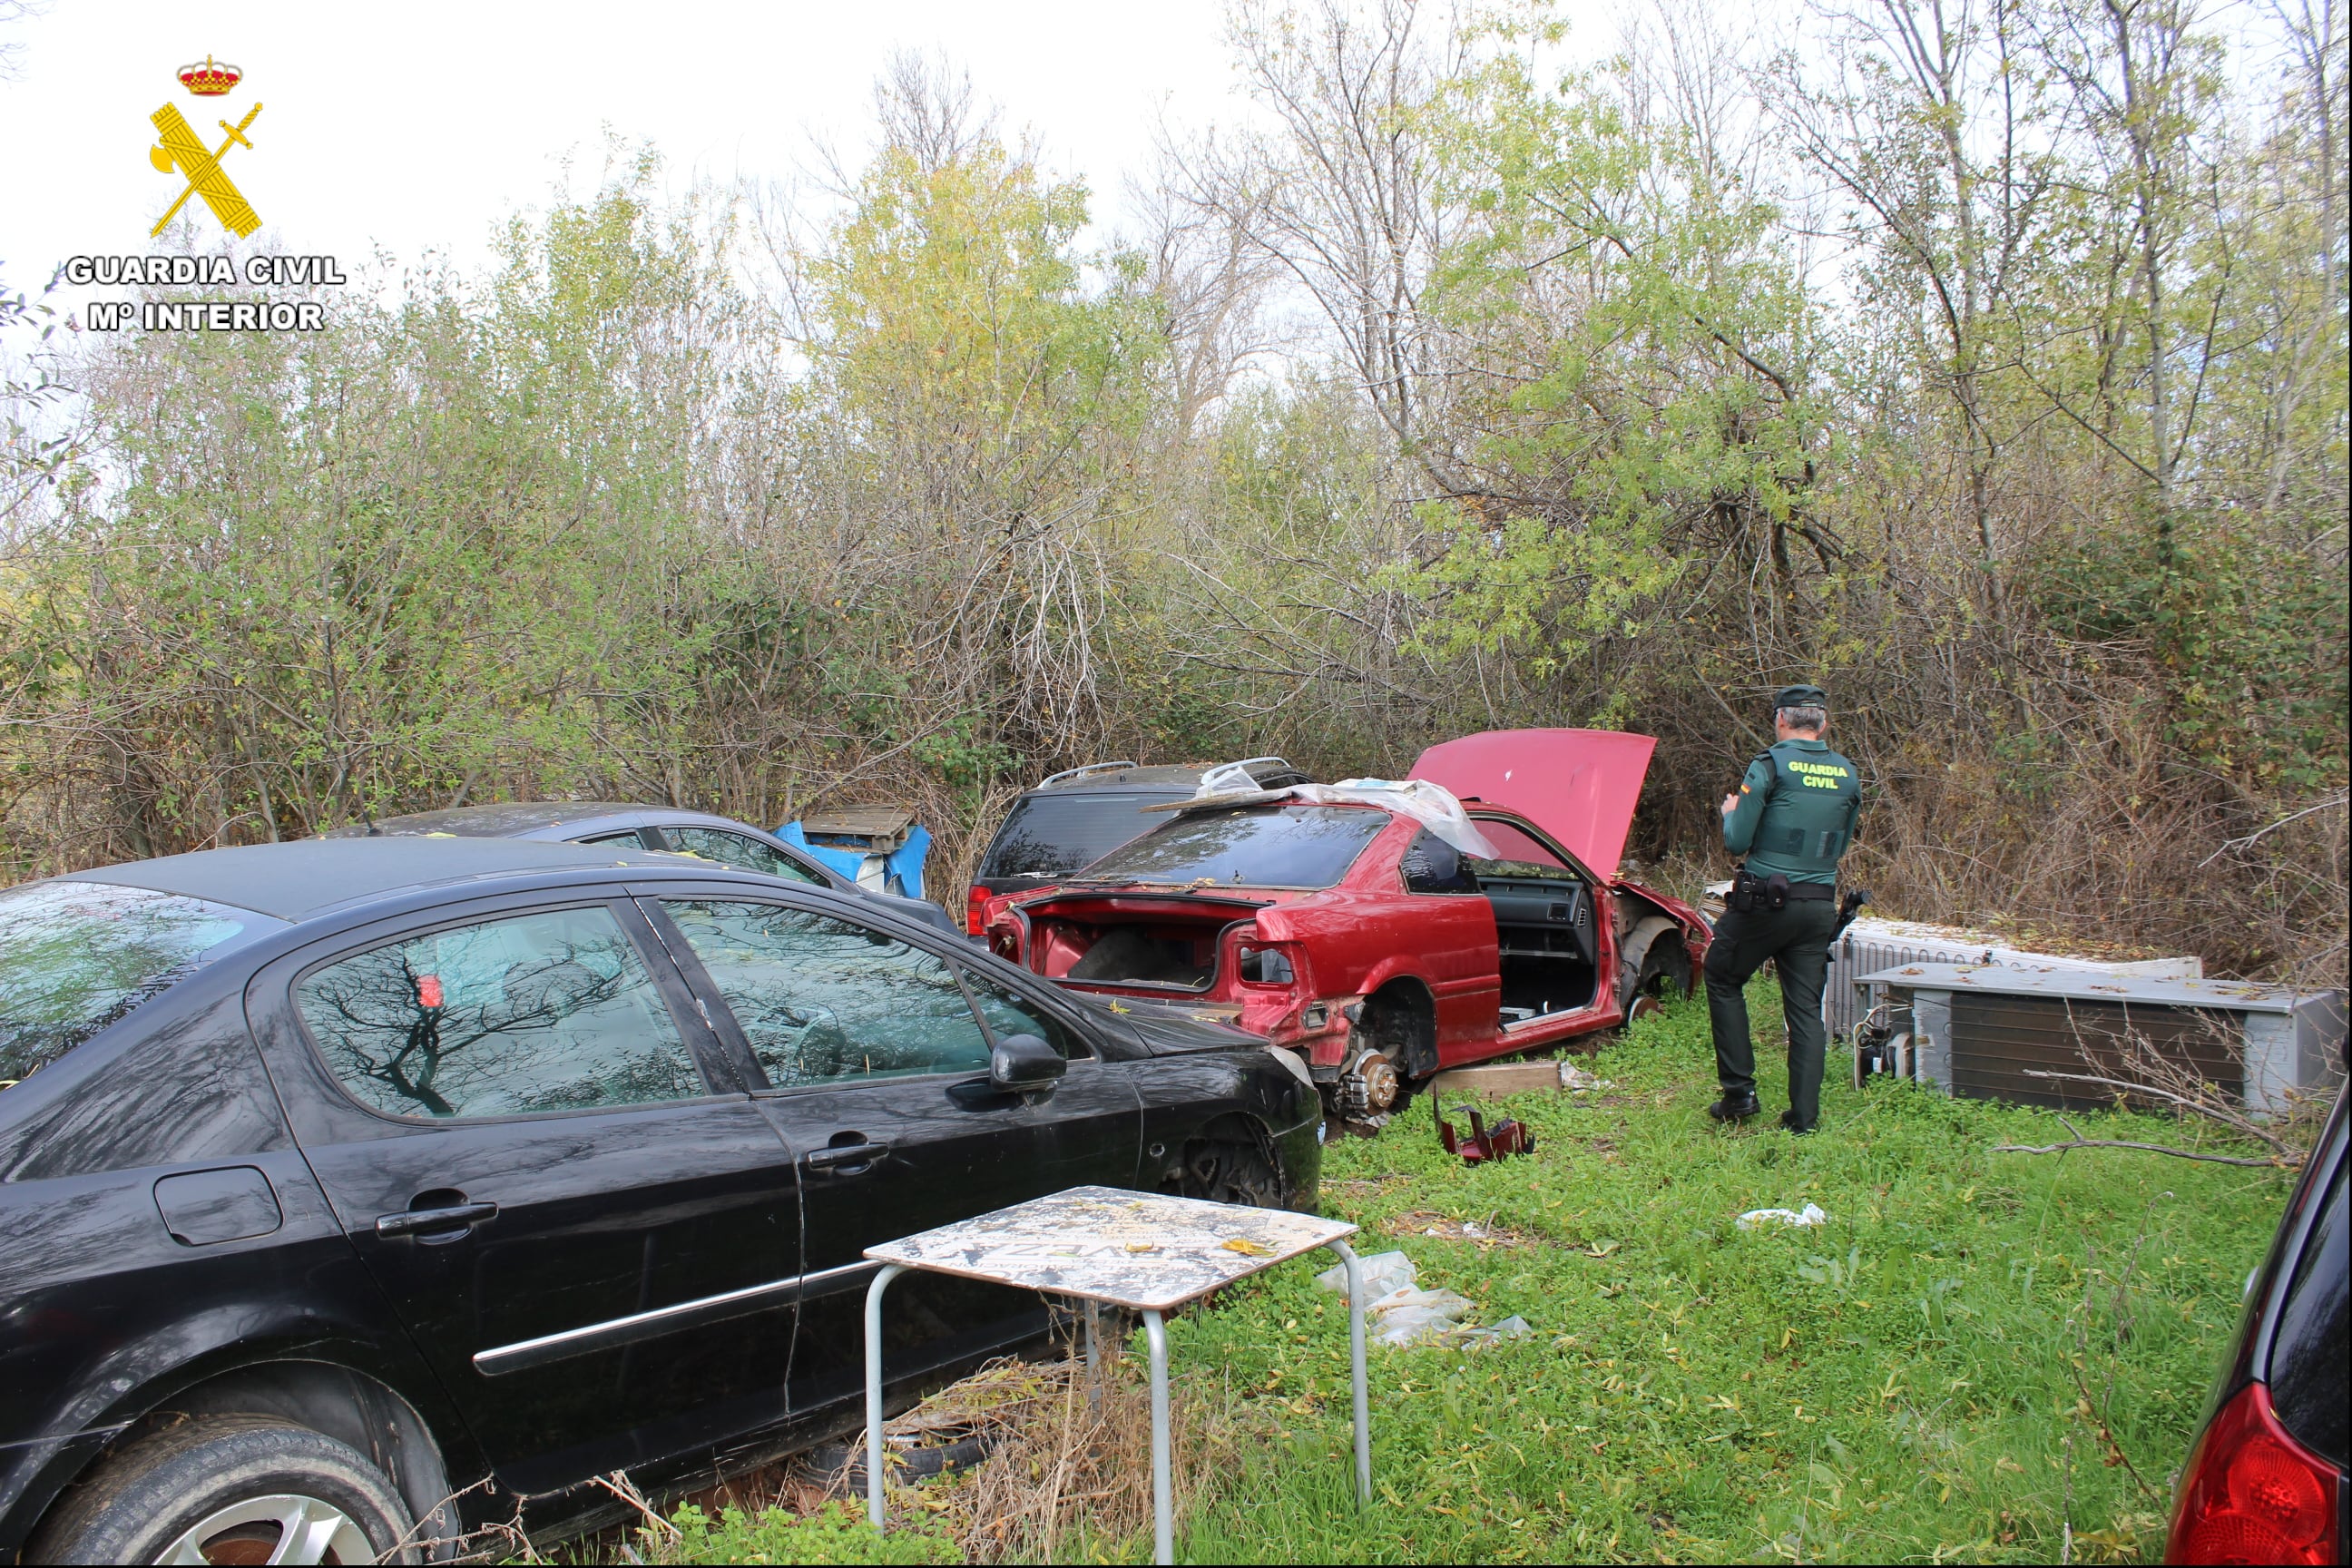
x: 835, y: 1533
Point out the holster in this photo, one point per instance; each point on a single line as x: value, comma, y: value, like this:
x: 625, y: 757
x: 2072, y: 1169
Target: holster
x: 1750, y: 892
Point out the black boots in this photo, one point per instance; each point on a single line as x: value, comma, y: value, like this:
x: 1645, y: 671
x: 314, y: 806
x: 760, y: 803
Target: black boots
x: 1740, y: 1107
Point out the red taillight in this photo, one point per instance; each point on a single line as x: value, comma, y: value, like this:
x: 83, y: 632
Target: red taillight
x: 2251, y: 1493
x: 975, y: 910
x: 428, y: 992
x: 1268, y: 962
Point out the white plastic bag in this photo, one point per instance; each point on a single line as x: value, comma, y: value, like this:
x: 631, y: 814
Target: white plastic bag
x: 1385, y: 1274
x: 1757, y: 1219
x: 1227, y: 778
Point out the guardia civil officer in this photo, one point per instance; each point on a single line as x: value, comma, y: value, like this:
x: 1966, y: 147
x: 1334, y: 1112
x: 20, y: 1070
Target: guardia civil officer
x: 1791, y: 819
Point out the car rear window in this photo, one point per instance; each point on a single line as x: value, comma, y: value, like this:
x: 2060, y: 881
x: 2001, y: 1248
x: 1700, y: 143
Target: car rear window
x: 2308, y: 1369
x: 77, y: 956
x: 1261, y: 845
x: 735, y: 849
x: 1057, y: 832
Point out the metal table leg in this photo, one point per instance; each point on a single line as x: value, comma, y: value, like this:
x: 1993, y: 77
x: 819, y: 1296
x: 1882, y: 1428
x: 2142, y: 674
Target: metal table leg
x: 1356, y: 1357
x: 1164, y: 1503
x: 874, y: 1391
x: 1094, y: 1355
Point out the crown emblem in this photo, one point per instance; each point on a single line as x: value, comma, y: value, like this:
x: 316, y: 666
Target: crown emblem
x: 210, y: 79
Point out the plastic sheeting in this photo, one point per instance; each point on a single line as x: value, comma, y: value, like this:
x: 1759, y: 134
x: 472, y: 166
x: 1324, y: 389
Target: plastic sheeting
x: 1433, y: 806
x: 900, y: 871
x: 1400, y: 1313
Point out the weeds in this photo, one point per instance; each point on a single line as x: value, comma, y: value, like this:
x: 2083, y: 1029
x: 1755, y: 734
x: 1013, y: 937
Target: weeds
x: 1978, y: 1357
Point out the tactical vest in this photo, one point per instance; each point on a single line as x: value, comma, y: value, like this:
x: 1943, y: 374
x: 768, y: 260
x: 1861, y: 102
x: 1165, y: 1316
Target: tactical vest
x: 1809, y: 815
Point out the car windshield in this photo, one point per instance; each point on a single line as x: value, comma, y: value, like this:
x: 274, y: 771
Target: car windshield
x: 1053, y: 832
x: 76, y: 956
x: 1257, y: 845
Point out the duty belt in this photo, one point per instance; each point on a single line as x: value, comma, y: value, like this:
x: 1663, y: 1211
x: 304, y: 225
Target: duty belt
x: 1813, y: 890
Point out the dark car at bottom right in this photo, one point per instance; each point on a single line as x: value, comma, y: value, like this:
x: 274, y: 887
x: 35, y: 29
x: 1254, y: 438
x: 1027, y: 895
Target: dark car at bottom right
x: 2267, y: 1480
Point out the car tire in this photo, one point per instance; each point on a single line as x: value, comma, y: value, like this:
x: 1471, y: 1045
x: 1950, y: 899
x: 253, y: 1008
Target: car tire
x: 229, y: 1489
x: 1231, y: 1169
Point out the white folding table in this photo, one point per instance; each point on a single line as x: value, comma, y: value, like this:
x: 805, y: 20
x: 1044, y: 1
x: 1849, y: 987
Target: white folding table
x: 1110, y: 1247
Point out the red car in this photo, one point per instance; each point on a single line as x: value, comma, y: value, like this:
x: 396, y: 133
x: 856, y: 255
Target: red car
x: 1373, y: 934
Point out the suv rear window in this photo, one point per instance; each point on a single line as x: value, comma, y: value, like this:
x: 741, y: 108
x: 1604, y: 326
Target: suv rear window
x: 77, y: 956
x: 1260, y: 846
x: 1061, y: 830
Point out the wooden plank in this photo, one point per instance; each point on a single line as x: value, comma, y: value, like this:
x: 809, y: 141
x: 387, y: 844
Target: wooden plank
x: 1499, y: 1077
x: 860, y: 821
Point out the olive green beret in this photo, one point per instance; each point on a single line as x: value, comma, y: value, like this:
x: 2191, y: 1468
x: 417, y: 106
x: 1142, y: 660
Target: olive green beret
x: 1802, y: 697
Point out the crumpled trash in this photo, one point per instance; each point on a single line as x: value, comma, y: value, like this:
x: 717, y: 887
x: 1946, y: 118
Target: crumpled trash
x: 1400, y: 1313
x: 1511, y: 1328
x: 1576, y: 1080
x: 1757, y: 1219
x: 1385, y: 1273
x: 1227, y: 778
x: 1411, y: 1316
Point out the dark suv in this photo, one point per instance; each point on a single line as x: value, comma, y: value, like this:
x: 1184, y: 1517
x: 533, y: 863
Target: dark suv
x: 2266, y: 1479
x: 1076, y: 818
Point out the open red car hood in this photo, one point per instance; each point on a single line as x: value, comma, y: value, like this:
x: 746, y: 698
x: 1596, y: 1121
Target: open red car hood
x: 1578, y: 785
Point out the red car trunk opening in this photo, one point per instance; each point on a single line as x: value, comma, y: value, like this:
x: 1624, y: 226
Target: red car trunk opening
x: 1162, y: 943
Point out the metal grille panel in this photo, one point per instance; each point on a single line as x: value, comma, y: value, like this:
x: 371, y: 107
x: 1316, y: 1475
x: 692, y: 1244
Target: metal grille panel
x: 1994, y: 1039
x: 1844, y: 1002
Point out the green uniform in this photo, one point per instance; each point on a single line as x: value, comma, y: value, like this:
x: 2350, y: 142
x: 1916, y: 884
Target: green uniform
x: 1796, y: 811
x: 1794, y: 818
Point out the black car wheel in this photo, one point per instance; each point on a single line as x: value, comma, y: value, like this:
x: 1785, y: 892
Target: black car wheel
x: 230, y: 1488
x: 1234, y: 1168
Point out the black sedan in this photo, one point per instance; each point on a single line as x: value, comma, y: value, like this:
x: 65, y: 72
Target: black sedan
x: 619, y: 825
x: 356, y: 1193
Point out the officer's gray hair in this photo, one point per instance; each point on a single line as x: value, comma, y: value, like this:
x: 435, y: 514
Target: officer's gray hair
x: 1813, y: 718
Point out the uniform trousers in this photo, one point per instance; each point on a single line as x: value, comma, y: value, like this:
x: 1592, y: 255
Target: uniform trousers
x: 1796, y: 938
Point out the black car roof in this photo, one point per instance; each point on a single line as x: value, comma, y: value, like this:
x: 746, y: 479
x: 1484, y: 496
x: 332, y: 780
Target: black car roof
x: 498, y: 820
x: 294, y: 881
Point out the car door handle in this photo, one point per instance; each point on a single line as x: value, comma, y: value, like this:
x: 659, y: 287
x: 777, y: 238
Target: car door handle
x: 834, y: 1155
x: 410, y: 1222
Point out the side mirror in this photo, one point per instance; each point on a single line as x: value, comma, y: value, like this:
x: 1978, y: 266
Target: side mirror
x: 1024, y: 1062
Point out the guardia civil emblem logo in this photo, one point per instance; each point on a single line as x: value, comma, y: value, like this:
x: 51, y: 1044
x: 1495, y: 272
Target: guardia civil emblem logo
x: 181, y: 149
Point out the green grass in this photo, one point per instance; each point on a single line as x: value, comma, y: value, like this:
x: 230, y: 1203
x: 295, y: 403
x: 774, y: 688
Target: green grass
x: 1976, y: 1347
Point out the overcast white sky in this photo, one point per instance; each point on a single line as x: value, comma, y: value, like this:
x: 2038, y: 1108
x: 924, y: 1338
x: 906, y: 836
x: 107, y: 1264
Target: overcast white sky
x: 418, y: 126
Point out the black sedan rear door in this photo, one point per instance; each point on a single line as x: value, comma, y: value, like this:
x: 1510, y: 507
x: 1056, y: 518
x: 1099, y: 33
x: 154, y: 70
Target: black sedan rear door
x: 525, y: 1128
x: 877, y: 1075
